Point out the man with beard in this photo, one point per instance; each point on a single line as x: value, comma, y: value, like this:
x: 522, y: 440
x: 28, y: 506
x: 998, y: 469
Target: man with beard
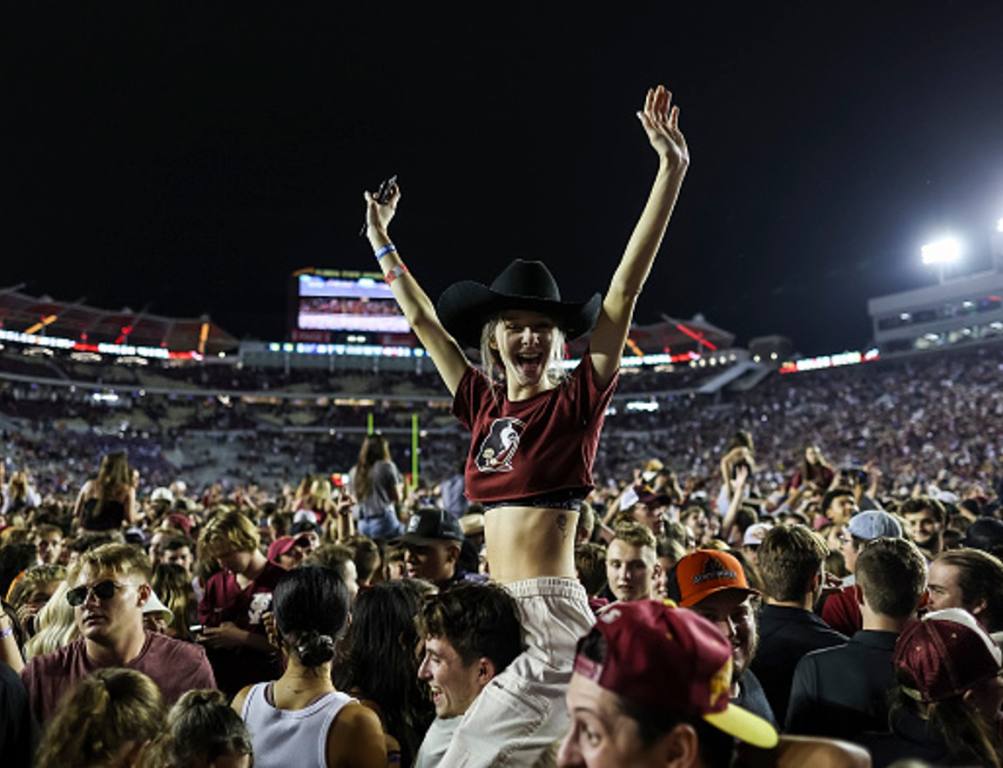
x: 926, y: 518
x: 713, y: 584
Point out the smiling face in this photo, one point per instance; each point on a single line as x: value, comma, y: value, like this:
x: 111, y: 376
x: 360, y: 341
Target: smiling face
x: 524, y: 341
x: 923, y: 526
x: 731, y: 611
x: 454, y: 685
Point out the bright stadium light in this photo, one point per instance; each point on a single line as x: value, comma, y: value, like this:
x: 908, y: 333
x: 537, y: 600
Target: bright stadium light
x: 940, y: 253
x: 945, y: 251
x: 999, y: 225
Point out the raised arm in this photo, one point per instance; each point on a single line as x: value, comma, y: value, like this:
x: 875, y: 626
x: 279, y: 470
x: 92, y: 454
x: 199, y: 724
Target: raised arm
x: 661, y: 123
x: 414, y: 302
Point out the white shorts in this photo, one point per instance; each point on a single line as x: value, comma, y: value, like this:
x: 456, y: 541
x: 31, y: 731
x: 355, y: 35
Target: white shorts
x: 521, y: 713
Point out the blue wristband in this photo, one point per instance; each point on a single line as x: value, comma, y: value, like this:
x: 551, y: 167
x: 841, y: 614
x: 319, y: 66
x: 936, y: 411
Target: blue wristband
x: 388, y: 248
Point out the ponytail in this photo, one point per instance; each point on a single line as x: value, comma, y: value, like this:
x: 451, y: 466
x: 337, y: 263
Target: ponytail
x: 314, y: 649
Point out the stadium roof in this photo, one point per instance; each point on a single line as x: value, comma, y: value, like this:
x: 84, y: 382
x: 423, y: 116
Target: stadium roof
x: 673, y: 335
x: 45, y: 316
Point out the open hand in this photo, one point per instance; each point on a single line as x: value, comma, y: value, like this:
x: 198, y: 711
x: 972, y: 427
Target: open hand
x: 661, y: 123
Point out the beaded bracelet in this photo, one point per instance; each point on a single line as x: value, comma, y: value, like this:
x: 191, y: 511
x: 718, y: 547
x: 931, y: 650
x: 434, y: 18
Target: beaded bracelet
x: 388, y: 248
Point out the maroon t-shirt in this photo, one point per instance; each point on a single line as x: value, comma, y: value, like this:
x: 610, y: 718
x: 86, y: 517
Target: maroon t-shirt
x: 841, y: 610
x: 224, y: 600
x: 532, y: 447
x: 174, y: 665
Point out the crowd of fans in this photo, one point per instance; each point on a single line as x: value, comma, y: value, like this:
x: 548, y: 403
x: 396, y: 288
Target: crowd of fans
x: 841, y: 529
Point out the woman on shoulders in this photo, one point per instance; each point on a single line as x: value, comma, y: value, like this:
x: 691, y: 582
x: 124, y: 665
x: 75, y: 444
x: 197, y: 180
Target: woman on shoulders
x: 301, y: 719
x: 108, y: 501
x: 534, y: 431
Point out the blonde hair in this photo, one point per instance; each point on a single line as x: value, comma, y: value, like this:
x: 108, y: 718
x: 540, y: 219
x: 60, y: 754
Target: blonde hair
x: 228, y: 528
x: 635, y: 534
x: 120, y: 559
x: 491, y: 359
x: 173, y: 586
x: 105, y: 711
x: 56, y: 625
x: 34, y: 577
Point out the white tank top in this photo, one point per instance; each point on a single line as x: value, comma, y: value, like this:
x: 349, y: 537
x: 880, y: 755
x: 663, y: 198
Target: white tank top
x: 290, y: 737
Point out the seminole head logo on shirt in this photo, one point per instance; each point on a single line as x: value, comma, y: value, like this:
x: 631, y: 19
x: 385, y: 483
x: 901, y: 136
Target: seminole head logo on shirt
x: 498, y: 448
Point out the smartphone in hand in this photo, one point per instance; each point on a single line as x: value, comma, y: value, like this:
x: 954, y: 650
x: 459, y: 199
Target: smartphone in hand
x: 382, y: 196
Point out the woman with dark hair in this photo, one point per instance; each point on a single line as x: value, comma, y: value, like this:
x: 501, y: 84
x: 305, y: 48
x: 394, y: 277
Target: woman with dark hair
x: 301, y: 719
x: 814, y: 470
x: 376, y: 484
x: 379, y: 664
x: 203, y: 732
x: 109, y: 500
x: 534, y: 429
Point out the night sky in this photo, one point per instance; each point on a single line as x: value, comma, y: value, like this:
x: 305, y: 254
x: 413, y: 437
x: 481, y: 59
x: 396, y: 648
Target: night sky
x: 187, y: 159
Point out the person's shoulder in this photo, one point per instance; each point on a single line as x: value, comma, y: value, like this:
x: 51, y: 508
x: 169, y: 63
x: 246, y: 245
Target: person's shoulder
x: 59, y: 659
x: 822, y: 658
x: 356, y: 733
x: 217, y: 580
x: 238, y: 701
x: 359, y: 719
x: 270, y: 576
x: 177, y: 651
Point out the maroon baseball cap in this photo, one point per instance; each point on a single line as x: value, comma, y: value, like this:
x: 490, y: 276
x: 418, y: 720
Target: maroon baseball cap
x: 181, y: 521
x: 280, y: 547
x: 946, y: 654
x: 657, y: 655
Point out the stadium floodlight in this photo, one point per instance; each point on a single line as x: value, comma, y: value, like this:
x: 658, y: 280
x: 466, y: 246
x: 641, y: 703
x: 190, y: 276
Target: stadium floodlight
x: 945, y: 251
x: 999, y: 225
x: 940, y: 253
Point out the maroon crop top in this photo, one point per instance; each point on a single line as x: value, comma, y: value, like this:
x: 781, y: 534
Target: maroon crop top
x: 540, y: 447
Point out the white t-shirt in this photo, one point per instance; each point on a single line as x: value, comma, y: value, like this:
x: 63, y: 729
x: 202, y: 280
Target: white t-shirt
x: 436, y: 742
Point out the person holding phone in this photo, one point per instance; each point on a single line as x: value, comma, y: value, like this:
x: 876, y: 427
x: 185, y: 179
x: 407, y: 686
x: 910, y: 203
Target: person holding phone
x: 534, y: 436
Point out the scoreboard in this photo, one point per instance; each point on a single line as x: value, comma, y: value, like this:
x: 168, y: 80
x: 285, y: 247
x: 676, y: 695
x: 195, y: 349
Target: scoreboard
x: 339, y: 302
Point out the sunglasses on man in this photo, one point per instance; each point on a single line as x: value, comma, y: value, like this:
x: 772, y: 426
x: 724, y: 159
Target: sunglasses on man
x: 103, y: 590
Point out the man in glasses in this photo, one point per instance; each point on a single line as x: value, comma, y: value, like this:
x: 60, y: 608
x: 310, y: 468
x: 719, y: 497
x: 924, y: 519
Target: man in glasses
x: 109, y: 586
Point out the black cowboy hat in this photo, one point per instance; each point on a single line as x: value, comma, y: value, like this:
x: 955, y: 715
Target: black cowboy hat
x: 465, y: 306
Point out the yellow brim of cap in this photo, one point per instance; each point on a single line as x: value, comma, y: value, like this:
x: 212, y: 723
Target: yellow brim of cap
x: 743, y: 725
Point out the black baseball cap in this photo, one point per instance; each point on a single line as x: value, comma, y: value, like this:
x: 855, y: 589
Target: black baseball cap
x: 429, y: 525
x: 986, y: 534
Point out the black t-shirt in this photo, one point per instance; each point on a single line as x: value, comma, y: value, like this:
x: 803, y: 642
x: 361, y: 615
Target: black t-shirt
x: 102, y: 515
x: 16, y: 730
x: 752, y: 697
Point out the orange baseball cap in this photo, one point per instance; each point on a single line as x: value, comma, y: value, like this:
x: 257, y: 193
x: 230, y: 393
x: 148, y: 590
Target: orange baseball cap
x: 704, y: 573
